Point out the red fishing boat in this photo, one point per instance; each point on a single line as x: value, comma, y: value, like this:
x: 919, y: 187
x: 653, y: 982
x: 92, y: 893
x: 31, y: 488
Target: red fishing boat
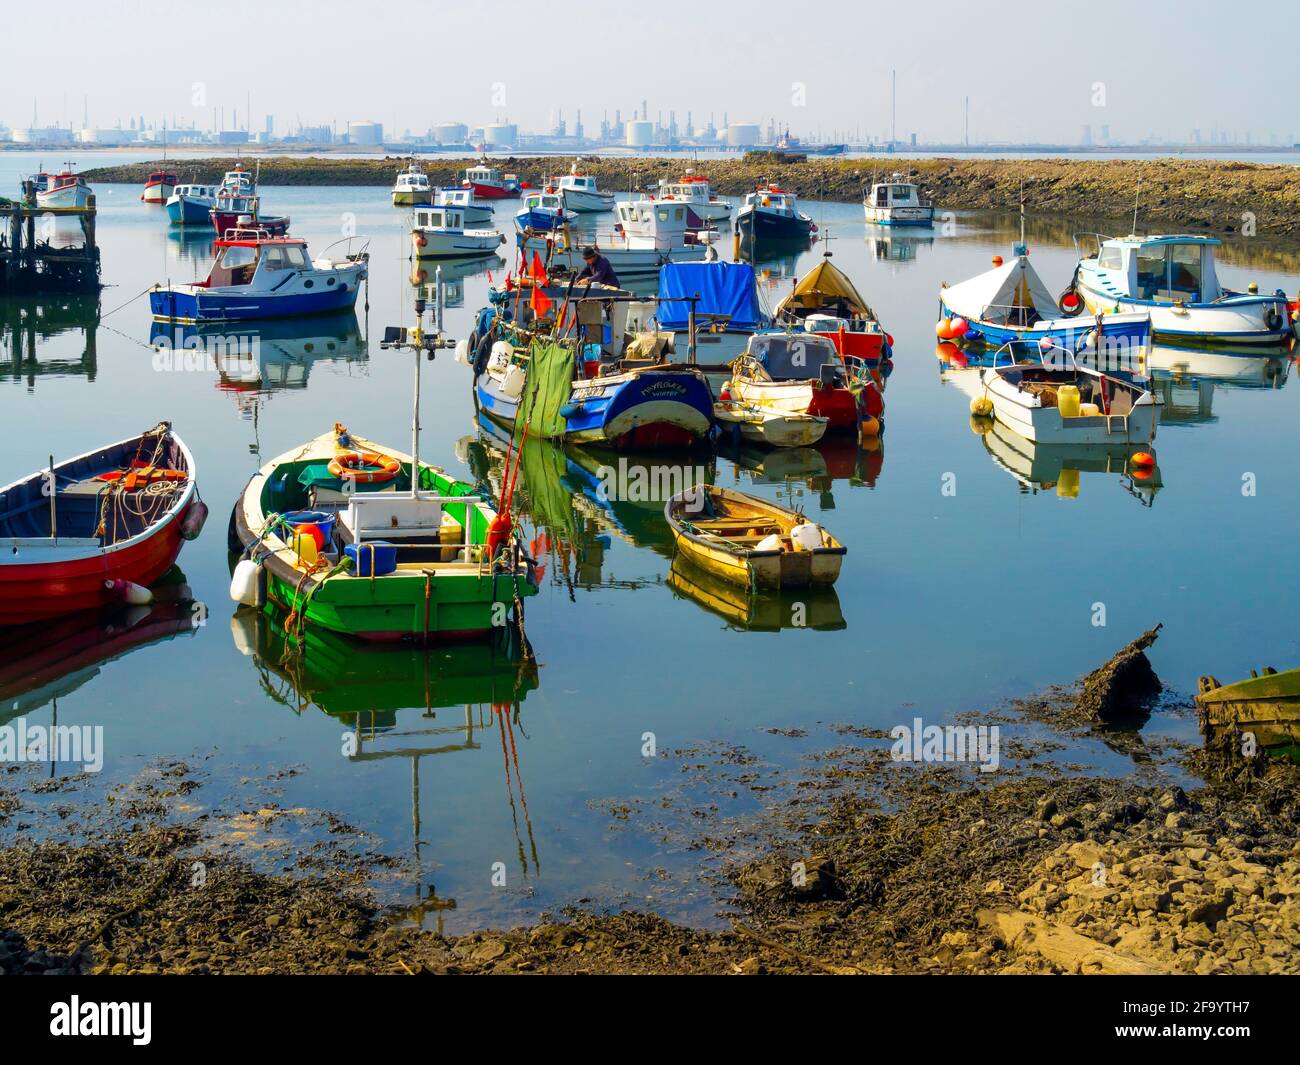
x: 239, y: 210
x: 97, y: 529
x: 159, y: 187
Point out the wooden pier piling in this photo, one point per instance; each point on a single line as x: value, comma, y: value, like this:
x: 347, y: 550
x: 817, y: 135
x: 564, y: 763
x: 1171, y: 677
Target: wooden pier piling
x: 33, y: 266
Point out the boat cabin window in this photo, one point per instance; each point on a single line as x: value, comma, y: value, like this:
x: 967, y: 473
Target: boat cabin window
x: 882, y: 195
x: 284, y: 257
x: 902, y: 193
x: 793, y: 357
x: 235, y: 267
x: 1169, y: 272
x: 1111, y: 259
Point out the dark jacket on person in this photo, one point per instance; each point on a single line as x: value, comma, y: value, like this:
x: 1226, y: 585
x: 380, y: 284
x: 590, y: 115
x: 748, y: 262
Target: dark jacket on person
x: 600, y: 272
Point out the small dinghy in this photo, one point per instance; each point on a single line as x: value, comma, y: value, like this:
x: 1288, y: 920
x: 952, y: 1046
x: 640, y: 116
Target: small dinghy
x: 749, y: 541
x: 112, y: 526
x: 763, y: 425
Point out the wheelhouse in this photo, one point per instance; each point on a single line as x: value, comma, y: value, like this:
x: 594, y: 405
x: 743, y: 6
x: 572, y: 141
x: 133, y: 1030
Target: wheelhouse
x: 1173, y: 269
x: 205, y: 191
x: 544, y: 201
x: 454, y: 197
x: 794, y: 357
x: 483, y: 175
x: 771, y: 199
x: 896, y: 194
x: 444, y: 217
x: 240, y: 260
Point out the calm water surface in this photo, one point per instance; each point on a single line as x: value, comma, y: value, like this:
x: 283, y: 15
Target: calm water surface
x: 947, y: 603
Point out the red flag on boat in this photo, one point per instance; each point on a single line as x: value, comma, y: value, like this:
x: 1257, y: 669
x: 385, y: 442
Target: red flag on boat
x: 538, y: 271
x: 539, y: 301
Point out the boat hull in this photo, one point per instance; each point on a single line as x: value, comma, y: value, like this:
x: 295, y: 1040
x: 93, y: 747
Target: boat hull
x: 412, y: 198
x: 188, y: 304
x: 587, y: 202
x: 72, y: 196
x: 157, y: 192
x: 899, y: 216
x: 188, y: 211
x: 275, y: 226
x: 1268, y: 706
x: 466, y: 245
x: 1238, y: 319
x: 1045, y: 425
x: 491, y: 192
x: 1121, y: 332
x: 768, y: 225
x: 648, y: 410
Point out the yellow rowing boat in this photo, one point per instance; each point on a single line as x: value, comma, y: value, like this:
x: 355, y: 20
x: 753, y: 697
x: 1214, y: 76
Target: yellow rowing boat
x: 749, y: 541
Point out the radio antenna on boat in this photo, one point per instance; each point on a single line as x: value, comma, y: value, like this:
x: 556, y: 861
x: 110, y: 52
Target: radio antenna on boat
x: 1137, y: 199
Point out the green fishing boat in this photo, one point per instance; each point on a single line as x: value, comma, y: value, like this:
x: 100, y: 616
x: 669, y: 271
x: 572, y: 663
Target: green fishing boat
x: 1267, y: 705
x: 337, y: 534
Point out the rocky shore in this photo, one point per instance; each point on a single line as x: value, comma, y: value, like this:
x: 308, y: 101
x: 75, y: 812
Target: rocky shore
x: 1192, y: 195
x: 862, y: 866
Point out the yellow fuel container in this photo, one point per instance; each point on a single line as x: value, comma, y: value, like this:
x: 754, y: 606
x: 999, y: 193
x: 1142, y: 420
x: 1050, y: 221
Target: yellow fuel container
x: 305, y: 546
x: 1067, y: 401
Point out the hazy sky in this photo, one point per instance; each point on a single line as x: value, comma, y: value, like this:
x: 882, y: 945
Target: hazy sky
x: 1033, y: 71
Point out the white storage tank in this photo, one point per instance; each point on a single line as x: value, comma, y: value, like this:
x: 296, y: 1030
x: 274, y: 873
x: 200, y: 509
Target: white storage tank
x: 640, y: 134
x: 743, y: 135
x: 501, y: 135
x: 366, y: 132
x: 450, y: 133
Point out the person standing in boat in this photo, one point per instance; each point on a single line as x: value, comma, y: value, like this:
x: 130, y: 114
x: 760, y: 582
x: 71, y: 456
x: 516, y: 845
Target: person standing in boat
x: 598, y: 269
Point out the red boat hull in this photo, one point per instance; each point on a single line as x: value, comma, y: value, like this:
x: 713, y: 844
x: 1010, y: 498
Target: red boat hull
x: 490, y: 192
x: 52, y: 589
x: 224, y: 220
x: 838, y: 405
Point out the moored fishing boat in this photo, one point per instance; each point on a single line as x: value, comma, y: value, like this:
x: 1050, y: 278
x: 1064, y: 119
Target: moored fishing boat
x: 574, y: 376
x: 113, y: 525
x: 1266, y: 705
x: 1050, y: 398
x: 542, y: 212
x: 159, y: 187
x: 488, y: 183
x: 191, y: 205
x: 648, y: 234
x: 1010, y: 302
x: 64, y: 190
x: 799, y: 373
x: 340, y: 534
x: 579, y: 194
x: 243, y: 210
x: 897, y: 203
x: 257, y: 275
x: 763, y: 425
x: 1173, y: 280
x: 440, y: 233
x: 477, y: 215
x: 693, y: 189
x: 770, y: 213
x: 826, y: 303
x: 412, y: 189
x: 750, y: 541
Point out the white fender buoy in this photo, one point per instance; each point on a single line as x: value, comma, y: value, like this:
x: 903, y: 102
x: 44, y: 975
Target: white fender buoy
x: 129, y: 592
x: 244, y: 582
x: 806, y: 537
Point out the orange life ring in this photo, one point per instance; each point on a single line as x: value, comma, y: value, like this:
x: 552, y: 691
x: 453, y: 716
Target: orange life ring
x: 349, y: 464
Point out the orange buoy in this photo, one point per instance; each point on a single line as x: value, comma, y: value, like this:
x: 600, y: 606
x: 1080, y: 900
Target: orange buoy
x: 1143, y: 459
x: 997, y: 260
x: 943, y: 329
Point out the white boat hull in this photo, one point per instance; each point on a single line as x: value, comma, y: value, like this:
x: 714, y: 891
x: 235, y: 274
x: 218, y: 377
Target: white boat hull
x: 1045, y: 425
x: 1223, y: 322
x: 72, y: 196
x: 452, y: 245
x: 582, y: 202
x: 899, y: 216
x: 770, y: 427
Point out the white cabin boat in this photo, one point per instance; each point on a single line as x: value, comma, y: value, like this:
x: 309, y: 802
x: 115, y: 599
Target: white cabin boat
x: 579, y: 192
x: 1173, y: 278
x: 649, y: 233
x: 897, y: 203
x: 412, y: 189
x: 64, y: 190
x: 477, y: 215
x: 440, y: 233
x: 1052, y: 399
x: 693, y: 189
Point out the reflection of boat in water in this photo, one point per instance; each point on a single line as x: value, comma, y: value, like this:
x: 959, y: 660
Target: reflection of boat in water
x: 266, y: 356
x: 404, y: 702
x: 897, y: 248
x: 189, y: 244
x: 1186, y: 379
x: 810, y: 608
x: 1045, y: 467
x: 1265, y: 708
x: 32, y: 342
x: 454, y: 272
x: 55, y: 660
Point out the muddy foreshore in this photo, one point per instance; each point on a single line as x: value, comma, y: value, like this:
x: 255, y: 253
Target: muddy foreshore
x: 1185, y: 195
x: 864, y: 866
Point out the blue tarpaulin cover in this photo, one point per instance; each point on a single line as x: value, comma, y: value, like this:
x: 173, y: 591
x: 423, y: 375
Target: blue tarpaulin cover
x: 723, y: 288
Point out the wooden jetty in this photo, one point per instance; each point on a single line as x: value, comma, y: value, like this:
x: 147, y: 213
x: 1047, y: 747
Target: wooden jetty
x: 33, y: 261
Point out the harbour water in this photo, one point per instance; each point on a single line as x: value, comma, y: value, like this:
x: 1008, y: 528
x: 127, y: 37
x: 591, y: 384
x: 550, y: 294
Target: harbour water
x: 974, y: 574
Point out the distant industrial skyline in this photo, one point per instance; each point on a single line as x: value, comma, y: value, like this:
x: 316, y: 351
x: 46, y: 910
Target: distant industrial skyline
x: 1124, y: 74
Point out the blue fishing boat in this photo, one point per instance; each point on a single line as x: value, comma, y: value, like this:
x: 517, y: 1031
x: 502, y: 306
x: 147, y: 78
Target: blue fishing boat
x: 257, y: 275
x: 558, y: 363
x: 191, y: 205
x: 542, y: 211
x: 1011, y: 303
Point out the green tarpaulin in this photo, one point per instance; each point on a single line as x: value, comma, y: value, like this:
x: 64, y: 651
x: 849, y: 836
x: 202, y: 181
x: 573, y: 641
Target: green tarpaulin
x: 546, y: 390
